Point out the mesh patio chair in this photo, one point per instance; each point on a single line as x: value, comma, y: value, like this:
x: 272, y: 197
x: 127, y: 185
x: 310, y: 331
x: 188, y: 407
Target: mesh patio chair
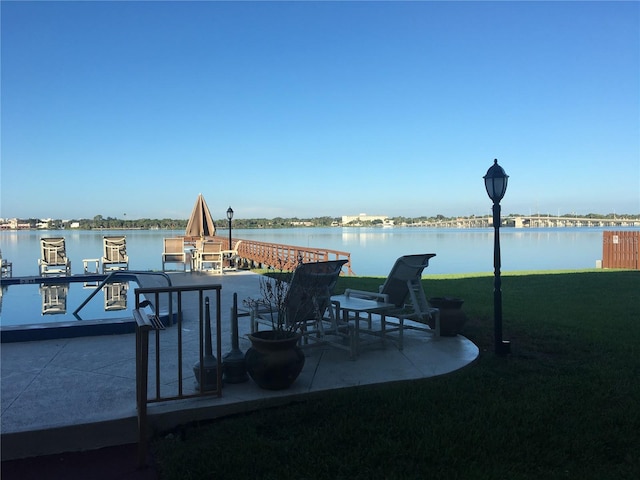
x: 208, y: 257
x: 114, y: 254
x: 174, y: 252
x: 307, y: 305
x: 53, y: 260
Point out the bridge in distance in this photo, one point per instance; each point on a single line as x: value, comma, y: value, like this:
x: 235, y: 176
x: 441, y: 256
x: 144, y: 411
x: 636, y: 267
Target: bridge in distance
x: 530, y: 221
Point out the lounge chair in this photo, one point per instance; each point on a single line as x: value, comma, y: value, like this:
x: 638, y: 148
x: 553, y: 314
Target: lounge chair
x: 403, y: 289
x: 174, y: 252
x: 308, y: 304
x: 114, y: 254
x: 208, y: 256
x: 54, y: 258
x: 232, y: 256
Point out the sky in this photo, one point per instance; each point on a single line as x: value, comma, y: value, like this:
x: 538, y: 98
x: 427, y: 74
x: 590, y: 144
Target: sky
x: 306, y: 109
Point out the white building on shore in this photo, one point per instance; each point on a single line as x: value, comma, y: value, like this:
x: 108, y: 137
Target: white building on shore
x: 362, y: 218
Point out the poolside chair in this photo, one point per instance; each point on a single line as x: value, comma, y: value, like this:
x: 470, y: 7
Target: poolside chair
x: 174, y: 252
x: 114, y: 254
x: 208, y: 256
x: 232, y: 256
x: 403, y: 288
x: 308, y: 305
x: 54, y: 258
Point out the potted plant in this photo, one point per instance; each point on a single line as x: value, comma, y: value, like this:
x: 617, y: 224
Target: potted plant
x: 274, y: 359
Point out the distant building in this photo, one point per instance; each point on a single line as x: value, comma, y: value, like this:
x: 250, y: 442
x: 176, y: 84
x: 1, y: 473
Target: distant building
x: 363, y: 217
x: 13, y: 224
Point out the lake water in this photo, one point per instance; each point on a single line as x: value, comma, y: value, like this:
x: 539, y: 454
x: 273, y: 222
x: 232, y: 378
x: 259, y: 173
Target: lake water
x: 373, y: 250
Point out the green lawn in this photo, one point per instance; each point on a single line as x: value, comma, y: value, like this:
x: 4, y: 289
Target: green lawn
x: 564, y: 404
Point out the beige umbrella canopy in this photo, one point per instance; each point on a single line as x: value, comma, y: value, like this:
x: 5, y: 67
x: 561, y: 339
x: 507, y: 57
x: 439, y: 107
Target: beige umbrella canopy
x: 200, y: 223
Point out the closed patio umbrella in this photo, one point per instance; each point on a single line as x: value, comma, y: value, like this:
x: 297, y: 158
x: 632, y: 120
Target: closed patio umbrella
x: 200, y: 223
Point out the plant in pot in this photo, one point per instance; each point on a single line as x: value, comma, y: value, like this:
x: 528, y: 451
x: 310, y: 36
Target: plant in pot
x: 274, y: 359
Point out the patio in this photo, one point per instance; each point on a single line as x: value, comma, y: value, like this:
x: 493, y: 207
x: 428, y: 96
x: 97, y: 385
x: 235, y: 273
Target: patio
x: 79, y: 394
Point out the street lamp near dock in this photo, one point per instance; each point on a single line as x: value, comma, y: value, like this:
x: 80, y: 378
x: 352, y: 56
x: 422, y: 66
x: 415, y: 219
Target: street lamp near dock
x: 495, y: 181
x: 230, y: 217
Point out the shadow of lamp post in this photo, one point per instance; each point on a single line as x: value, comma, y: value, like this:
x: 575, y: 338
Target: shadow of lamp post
x: 230, y: 217
x: 495, y: 182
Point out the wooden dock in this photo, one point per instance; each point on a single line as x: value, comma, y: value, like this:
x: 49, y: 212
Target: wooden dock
x: 256, y: 254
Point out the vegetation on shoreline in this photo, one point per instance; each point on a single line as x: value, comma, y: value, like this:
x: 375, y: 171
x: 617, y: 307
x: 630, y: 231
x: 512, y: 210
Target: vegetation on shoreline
x: 563, y: 405
x: 100, y: 222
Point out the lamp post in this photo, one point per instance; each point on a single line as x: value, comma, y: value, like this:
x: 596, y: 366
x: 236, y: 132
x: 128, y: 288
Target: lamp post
x: 230, y: 217
x: 495, y: 181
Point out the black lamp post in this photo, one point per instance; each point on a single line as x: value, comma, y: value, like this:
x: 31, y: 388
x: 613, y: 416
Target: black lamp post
x: 230, y: 217
x: 495, y: 182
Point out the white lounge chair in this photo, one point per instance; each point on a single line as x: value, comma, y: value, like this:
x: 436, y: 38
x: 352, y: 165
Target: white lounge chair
x: 54, y: 258
x: 114, y: 254
x: 307, y: 306
x: 403, y: 289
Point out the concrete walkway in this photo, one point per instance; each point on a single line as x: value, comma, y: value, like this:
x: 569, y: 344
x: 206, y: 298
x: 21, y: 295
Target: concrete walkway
x: 79, y: 394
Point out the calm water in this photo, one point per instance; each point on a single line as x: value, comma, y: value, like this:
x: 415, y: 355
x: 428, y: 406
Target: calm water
x: 33, y: 303
x: 373, y: 250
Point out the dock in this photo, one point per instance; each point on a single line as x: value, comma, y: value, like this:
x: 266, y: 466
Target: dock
x: 255, y: 254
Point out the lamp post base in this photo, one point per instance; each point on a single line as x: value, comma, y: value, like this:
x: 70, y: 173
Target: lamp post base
x: 503, y: 348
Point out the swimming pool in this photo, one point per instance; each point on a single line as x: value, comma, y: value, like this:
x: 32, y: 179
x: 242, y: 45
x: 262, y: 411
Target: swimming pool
x: 38, y: 308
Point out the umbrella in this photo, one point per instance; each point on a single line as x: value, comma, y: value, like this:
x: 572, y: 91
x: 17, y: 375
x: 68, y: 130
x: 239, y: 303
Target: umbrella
x: 200, y: 223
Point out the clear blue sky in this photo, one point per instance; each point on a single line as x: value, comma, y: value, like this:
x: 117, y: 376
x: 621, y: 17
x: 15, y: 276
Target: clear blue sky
x: 308, y: 109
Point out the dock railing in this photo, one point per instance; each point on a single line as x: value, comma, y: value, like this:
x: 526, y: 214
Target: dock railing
x: 286, y: 257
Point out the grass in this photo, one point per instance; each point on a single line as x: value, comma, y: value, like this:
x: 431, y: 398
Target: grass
x: 565, y: 404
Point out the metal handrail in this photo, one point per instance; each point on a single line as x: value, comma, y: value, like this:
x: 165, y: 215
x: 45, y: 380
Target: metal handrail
x: 115, y: 274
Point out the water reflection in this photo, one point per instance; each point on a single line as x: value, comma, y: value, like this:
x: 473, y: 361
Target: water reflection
x: 54, y: 298
x: 115, y: 296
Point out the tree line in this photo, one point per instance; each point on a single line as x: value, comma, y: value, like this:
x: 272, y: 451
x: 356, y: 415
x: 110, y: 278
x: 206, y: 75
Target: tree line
x: 110, y: 223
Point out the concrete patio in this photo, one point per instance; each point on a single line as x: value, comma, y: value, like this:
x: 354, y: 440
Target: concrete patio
x: 79, y: 394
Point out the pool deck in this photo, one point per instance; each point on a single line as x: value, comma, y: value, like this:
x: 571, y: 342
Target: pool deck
x: 78, y: 394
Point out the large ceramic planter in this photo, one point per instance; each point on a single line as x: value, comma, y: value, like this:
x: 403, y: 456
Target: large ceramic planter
x: 452, y: 318
x: 274, y: 363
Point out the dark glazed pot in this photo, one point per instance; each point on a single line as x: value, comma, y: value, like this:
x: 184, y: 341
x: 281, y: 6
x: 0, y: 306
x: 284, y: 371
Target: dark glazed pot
x: 452, y: 318
x: 274, y: 363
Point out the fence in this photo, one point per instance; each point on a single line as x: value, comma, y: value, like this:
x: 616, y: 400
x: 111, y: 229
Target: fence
x: 210, y: 369
x: 620, y: 249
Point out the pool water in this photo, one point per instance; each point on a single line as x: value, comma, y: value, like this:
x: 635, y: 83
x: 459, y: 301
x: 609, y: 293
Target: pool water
x: 41, y: 303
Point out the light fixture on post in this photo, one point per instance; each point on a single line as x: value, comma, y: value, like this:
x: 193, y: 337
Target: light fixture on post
x: 495, y: 181
x: 230, y: 217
